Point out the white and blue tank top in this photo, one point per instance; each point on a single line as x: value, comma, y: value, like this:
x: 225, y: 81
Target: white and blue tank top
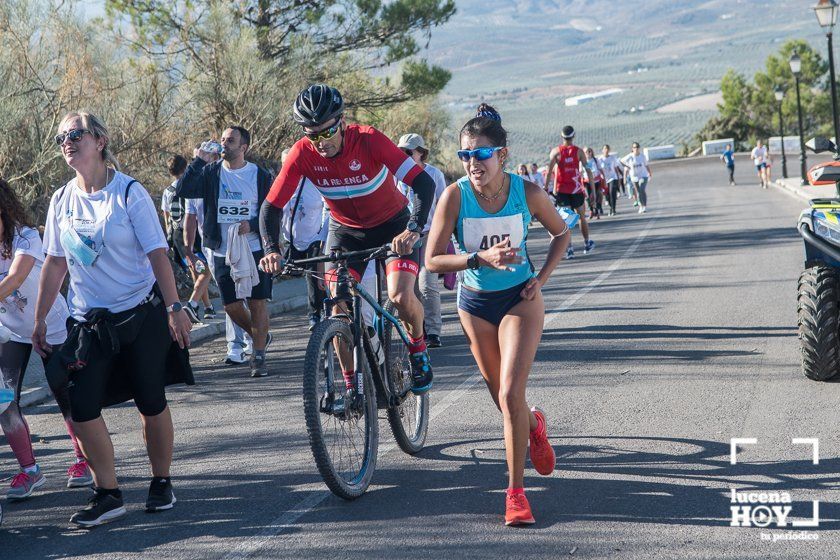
x: 478, y: 230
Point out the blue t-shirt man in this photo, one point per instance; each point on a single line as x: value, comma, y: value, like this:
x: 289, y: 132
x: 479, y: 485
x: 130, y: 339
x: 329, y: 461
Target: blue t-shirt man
x: 728, y: 157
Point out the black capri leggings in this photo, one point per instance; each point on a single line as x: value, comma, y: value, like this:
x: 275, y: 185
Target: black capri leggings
x: 141, y: 362
x: 614, y: 186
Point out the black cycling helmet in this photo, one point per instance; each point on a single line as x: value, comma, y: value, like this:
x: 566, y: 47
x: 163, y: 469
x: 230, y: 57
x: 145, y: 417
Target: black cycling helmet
x: 317, y: 105
x: 568, y: 132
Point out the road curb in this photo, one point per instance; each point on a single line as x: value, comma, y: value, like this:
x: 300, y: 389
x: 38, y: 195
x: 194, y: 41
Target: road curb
x: 794, y: 190
x: 37, y: 395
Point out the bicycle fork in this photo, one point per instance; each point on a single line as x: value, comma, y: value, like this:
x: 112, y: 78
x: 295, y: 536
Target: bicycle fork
x: 352, y: 405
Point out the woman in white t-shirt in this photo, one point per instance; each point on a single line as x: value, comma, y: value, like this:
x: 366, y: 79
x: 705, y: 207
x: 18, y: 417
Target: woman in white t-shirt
x: 639, y: 170
x: 21, y: 257
x: 613, y: 174
x: 102, y: 229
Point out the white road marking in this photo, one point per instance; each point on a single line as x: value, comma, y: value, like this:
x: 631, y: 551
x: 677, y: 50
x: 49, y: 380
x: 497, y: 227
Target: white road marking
x: 290, y: 516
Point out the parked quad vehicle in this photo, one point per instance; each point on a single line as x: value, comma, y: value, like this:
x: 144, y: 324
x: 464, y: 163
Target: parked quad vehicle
x: 819, y: 284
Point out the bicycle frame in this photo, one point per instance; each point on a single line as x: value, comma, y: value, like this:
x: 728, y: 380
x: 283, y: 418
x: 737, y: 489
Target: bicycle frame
x: 350, y: 291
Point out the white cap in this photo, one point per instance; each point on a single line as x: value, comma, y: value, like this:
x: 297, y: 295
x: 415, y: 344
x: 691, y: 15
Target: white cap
x: 411, y: 142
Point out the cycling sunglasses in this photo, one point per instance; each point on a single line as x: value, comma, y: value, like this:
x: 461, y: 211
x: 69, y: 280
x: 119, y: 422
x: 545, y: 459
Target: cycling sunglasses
x: 74, y: 135
x: 324, y: 134
x: 479, y: 154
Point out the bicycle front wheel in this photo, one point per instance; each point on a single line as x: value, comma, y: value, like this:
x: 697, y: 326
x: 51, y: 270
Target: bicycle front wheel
x: 410, y: 419
x: 343, y: 432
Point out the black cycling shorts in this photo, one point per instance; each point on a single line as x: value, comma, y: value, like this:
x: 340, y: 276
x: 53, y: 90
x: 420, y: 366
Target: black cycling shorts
x: 573, y: 201
x: 353, y: 239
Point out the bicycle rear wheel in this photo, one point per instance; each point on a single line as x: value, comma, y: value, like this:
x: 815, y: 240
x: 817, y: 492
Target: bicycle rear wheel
x: 410, y: 420
x: 344, y: 438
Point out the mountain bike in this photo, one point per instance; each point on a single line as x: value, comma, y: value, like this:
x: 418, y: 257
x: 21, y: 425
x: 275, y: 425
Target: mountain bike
x: 341, y: 415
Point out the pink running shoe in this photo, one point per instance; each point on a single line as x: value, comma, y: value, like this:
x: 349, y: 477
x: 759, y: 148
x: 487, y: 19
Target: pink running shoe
x: 542, y: 454
x: 79, y: 475
x: 24, y: 484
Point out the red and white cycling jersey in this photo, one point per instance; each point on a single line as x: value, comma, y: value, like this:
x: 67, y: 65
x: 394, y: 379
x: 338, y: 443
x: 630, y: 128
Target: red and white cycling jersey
x: 358, y: 185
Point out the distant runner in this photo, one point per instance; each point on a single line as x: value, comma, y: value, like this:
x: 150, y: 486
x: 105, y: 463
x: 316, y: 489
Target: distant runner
x: 728, y: 159
x: 639, y: 170
x: 568, y: 188
x: 759, y: 155
x: 614, y: 174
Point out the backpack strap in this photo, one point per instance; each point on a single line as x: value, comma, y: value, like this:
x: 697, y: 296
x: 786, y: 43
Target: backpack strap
x: 128, y: 189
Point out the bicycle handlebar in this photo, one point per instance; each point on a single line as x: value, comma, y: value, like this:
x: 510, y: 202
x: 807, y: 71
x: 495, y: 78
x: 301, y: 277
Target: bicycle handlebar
x: 336, y: 256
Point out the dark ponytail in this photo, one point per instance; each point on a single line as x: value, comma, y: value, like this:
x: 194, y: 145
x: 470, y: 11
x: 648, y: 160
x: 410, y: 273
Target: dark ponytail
x: 487, y: 123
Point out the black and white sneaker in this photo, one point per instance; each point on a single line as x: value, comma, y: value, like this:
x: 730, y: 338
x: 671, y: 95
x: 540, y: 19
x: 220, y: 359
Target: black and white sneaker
x: 102, y: 507
x: 160, y: 495
x: 192, y: 313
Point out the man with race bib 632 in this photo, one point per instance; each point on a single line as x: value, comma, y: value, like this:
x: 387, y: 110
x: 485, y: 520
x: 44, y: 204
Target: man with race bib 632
x: 355, y: 168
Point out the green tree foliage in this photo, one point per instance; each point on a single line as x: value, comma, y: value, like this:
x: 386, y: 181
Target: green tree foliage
x: 377, y: 34
x: 167, y: 75
x: 750, y: 110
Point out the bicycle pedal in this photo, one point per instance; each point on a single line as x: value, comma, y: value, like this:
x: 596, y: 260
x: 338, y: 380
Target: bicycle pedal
x: 327, y: 404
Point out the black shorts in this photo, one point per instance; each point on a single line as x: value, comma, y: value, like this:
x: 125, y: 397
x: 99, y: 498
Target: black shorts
x: 353, y: 239
x: 227, y: 287
x: 141, y: 364
x: 573, y: 201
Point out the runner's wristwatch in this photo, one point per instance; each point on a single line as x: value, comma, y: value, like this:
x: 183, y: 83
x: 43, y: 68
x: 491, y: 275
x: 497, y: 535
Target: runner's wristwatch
x: 472, y: 262
x: 413, y: 227
x: 175, y: 307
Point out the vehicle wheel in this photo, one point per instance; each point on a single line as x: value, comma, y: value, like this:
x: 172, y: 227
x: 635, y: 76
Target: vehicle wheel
x: 344, y: 446
x: 819, y: 324
x: 410, y: 420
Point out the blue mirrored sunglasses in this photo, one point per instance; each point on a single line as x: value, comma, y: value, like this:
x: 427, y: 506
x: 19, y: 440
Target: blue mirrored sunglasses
x: 479, y: 153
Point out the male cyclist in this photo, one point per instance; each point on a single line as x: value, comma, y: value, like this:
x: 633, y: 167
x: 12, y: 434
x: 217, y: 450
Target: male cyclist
x: 356, y: 169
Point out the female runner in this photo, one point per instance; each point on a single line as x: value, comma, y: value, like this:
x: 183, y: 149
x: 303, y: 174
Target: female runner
x: 499, y: 301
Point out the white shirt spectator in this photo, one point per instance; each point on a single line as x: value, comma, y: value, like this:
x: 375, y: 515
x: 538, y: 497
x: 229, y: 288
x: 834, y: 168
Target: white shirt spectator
x: 240, y: 184
x: 195, y: 206
x: 310, y: 218
x: 17, y: 311
x: 638, y: 166
x: 609, y: 165
x: 122, y: 232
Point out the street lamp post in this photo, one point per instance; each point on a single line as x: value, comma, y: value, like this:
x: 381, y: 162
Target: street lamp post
x: 796, y: 68
x: 780, y: 96
x: 826, y: 12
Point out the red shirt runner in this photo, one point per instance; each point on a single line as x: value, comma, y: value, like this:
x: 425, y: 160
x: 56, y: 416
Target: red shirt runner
x: 359, y: 185
x: 567, y: 175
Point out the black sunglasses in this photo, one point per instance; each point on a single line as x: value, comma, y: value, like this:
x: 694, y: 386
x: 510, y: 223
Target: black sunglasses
x: 408, y: 152
x: 74, y: 135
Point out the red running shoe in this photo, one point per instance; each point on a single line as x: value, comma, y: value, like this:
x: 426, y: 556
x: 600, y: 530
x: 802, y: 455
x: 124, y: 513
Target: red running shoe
x: 518, y: 510
x: 542, y: 454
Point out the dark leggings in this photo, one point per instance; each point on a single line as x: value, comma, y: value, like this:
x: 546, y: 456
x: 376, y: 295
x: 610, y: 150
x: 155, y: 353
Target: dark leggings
x: 615, y: 186
x: 14, y: 357
x: 731, y: 169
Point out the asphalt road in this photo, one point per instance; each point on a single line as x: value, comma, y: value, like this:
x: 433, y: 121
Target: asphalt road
x: 675, y: 335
